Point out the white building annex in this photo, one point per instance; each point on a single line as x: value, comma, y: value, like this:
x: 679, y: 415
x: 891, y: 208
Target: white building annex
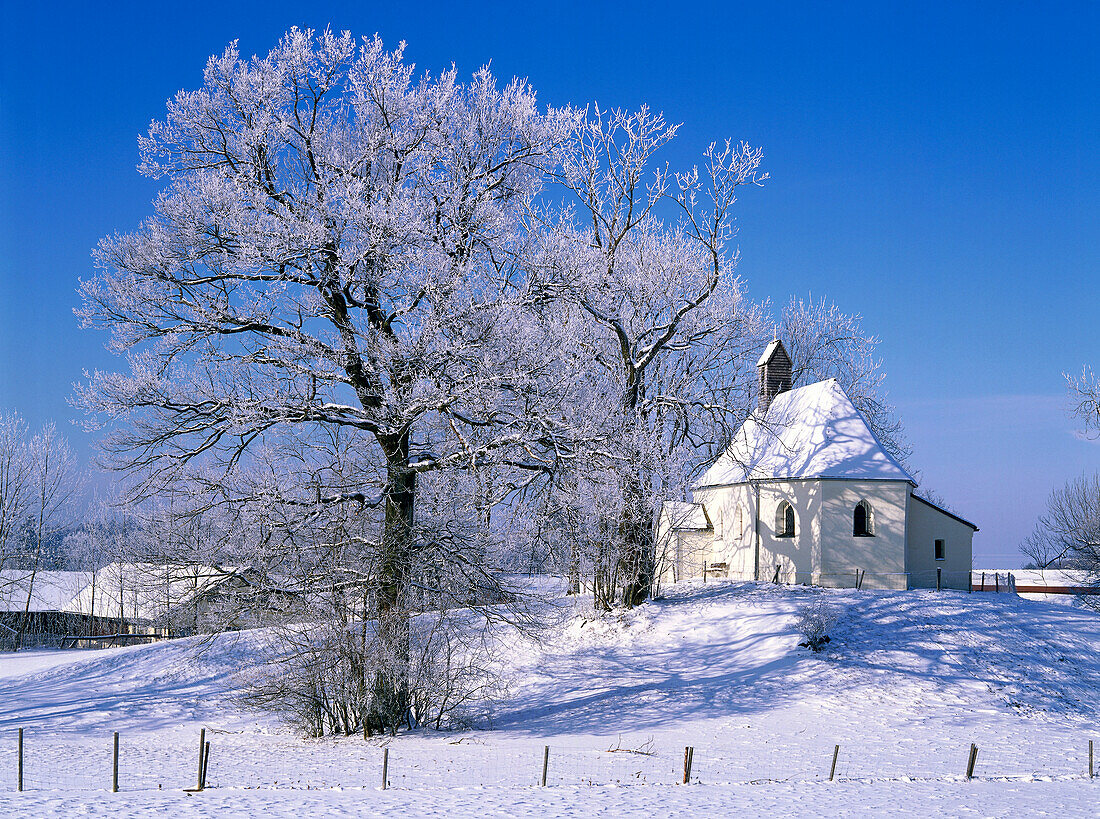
x: 807, y: 494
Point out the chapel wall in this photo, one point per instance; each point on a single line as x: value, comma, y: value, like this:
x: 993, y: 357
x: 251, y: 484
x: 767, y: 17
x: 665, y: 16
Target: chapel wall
x: 732, y: 540
x: 882, y: 555
x: 797, y: 558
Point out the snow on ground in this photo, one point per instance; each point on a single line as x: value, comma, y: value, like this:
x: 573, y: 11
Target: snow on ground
x: 909, y: 681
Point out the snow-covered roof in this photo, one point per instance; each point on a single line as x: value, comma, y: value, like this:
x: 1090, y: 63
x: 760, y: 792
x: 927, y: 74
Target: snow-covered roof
x: 50, y: 591
x: 810, y: 432
x: 147, y: 591
x: 683, y: 515
x: 943, y: 511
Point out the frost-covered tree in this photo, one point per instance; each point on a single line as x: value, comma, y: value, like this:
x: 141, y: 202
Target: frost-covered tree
x: 39, y: 484
x: 339, y: 245
x: 660, y: 342
x: 1067, y: 534
x: 16, y: 487
x: 645, y: 275
x: 1084, y: 391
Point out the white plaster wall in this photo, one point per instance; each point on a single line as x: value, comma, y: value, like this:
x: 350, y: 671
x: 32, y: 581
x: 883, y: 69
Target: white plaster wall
x: 824, y: 550
x: 882, y: 556
x: 926, y: 525
x: 731, y: 544
x: 796, y: 557
x: 681, y: 552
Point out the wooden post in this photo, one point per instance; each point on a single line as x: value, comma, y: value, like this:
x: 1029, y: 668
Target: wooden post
x: 970, y: 762
x: 205, y: 763
x: 114, y: 768
x: 385, y: 767
x: 862, y: 575
x: 776, y: 578
x: 704, y: 571
x: 939, y: 576
x: 997, y: 582
x: 20, y: 762
x: 689, y: 753
x: 969, y: 582
x: 1091, y: 769
x: 983, y: 582
x: 202, y: 747
x: 855, y: 582
x: 546, y: 762
x: 832, y: 769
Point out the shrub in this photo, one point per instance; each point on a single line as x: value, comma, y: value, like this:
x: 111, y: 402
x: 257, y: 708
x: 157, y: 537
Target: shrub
x: 814, y: 622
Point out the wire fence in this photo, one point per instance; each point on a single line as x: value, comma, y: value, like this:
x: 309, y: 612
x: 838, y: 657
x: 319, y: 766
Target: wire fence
x: 856, y: 578
x: 49, y: 763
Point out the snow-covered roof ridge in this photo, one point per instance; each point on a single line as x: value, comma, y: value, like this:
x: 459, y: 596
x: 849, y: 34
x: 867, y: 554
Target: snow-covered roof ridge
x: 51, y: 591
x: 813, y: 431
x: 769, y: 351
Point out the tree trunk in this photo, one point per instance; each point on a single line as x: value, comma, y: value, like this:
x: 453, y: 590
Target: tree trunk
x: 636, y: 557
x: 391, y: 684
x: 574, y: 566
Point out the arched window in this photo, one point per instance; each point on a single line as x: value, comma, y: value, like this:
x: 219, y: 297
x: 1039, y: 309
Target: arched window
x: 784, y: 520
x: 863, y: 520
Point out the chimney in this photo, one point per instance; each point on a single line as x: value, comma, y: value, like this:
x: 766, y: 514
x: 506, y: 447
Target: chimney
x: 774, y: 367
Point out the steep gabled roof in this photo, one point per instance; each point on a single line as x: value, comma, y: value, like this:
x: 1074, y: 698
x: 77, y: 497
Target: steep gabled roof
x: 770, y: 350
x: 810, y: 432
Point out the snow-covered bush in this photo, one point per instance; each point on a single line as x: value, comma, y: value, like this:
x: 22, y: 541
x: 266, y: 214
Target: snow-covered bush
x: 815, y: 621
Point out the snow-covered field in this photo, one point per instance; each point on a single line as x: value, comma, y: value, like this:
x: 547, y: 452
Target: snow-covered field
x: 909, y: 681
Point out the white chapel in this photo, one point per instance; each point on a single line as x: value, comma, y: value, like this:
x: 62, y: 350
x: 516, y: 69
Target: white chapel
x: 806, y: 493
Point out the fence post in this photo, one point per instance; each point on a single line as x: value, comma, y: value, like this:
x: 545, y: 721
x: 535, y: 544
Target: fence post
x: 939, y: 575
x: 970, y: 762
x: 832, y: 768
x: 205, y: 763
x: 997, y: 582
x: 546, y: 762
x: 114, y: 767
x: 20, y: 763
x: 202, y: 747
x: 689, y: 753
x: 385, y: 767
x: 1091, y: 769
x: 970, y: 582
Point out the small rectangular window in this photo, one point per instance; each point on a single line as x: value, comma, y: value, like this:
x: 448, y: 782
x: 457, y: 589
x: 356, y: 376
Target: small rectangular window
x: 939, y: 550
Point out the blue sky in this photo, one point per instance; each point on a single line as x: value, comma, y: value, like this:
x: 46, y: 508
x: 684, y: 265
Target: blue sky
x: 935, y: 169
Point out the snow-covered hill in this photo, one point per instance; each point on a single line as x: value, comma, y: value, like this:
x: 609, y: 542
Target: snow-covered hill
x: 909, y: 680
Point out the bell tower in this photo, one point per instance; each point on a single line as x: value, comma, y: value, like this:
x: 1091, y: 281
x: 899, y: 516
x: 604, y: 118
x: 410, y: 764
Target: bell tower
x: 774, y: 368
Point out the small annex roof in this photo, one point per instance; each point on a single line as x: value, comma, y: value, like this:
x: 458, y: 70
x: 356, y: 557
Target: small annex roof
x: 943, y: 511
x: 685, y: 516
x: 809, y: 432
